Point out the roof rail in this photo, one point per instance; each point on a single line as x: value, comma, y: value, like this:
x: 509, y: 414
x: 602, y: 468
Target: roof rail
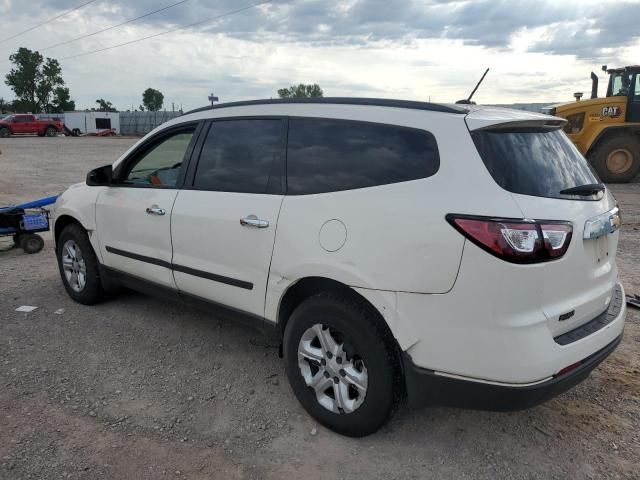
x: 378, y: 102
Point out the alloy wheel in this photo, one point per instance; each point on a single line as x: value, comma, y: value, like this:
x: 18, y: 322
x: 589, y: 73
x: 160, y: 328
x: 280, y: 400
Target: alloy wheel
x: 337, y: 375
x: 74, y: 266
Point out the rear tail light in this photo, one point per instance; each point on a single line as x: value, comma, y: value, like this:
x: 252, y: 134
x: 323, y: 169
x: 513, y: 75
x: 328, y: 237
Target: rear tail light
x: 556, y: 237
x: 513, y: 240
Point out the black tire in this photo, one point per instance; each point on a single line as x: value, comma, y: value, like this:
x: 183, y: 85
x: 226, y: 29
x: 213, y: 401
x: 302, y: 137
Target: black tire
x: 75, y: 132
x: 92, y: 292
x: 4, y: 132
x: 51, y: 132
x: 365, y: 336
x: 622, y: 145
x: 31, y: 242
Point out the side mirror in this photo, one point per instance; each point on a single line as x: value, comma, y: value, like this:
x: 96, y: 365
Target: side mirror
x: 100, y: 177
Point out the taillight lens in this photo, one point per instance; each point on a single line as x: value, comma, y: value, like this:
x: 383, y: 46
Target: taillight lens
x: 557, y: 237
x: 513, y: 240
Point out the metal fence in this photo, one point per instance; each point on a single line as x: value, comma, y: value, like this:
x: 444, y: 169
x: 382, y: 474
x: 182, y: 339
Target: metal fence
x: 131, y: 123
x: 141, y: 123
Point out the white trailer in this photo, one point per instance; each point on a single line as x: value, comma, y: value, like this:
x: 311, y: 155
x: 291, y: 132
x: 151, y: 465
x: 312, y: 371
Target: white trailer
x: 92, y: 122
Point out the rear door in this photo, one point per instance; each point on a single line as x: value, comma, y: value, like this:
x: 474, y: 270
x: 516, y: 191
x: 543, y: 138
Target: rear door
x: 133, y: 214
x: 33, y: 125
x: 535, y: 162
x: 223, y: 225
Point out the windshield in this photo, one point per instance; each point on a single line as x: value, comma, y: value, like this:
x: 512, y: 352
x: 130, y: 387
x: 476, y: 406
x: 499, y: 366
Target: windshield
x: 538, y: 163
x: 620, y: 83
x: 6, y: 119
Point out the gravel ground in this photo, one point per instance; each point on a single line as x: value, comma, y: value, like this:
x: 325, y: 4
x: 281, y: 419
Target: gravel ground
x: 136, y: 388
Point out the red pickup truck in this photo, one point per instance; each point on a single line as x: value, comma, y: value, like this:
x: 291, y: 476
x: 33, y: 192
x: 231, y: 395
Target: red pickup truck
x: 21, y: 124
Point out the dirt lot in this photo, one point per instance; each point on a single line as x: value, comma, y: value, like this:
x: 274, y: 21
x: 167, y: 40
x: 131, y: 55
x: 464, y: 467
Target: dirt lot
x: 135, y: 388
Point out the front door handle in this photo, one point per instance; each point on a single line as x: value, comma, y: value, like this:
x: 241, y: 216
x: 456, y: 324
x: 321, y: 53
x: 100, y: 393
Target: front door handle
x: 253, y: 221
x: 155, y: 210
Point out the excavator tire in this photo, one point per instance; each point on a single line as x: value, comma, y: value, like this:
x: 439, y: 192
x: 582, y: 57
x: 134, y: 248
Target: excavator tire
x: 616, y: 159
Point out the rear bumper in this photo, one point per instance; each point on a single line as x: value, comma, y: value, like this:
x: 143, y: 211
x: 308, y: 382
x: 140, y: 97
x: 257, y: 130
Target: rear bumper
x: 426, y: 387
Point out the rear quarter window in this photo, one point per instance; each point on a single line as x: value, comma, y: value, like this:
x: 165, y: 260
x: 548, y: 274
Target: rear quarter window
x: 535, y: 162
x: 333, y: 155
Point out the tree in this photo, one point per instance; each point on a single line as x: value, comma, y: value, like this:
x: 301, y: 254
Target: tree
x: 152, y: 99
x: 105, y: 106
x: 301, y: 91
x: 62, y: 101
x: 34, y: 79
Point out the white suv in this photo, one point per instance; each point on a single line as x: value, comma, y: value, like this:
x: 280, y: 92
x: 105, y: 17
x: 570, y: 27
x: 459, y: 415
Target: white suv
x: 454, y: 255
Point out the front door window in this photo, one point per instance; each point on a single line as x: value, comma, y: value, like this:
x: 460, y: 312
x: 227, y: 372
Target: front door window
x: 159, y: 167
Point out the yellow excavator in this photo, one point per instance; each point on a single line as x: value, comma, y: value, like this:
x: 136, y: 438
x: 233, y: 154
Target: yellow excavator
x: 607, y: 130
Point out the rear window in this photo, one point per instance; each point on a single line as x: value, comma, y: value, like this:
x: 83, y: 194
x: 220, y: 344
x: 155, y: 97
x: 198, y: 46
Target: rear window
x: 538, y: 163
x: 333, y: 155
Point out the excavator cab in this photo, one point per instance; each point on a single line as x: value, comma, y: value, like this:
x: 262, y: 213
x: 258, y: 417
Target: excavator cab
x: 625, y: 82
x: 606, y: 129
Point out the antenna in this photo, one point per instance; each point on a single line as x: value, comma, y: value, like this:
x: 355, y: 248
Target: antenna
x: 468, y: 100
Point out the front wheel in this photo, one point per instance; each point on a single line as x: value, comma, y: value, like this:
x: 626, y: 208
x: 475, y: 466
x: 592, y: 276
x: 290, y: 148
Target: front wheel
x: 78, y: 266
x: 617, y: 158
x: 342, y: 364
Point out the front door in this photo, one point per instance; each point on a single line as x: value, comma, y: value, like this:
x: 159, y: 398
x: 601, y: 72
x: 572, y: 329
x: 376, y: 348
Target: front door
x: 20, y: 124
x: 223, y: 225
x: 133, y: 215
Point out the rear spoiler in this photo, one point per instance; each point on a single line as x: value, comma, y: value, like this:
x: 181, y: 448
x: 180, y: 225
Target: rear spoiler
x: 525, y: 126
x: 508, y: 119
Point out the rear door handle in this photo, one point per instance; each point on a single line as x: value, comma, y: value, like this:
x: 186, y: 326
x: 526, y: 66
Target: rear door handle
x: 155, y: 210
x: 253, y: 221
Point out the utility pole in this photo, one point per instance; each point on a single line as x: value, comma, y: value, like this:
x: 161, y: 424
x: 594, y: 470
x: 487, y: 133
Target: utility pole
x: 213, y: 99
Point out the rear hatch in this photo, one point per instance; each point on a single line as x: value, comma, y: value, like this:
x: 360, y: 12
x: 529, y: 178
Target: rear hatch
x: 529, y: 155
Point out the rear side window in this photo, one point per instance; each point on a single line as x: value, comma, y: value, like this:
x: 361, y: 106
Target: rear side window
x: 241, y: 156
x: 538, y: 163
x: 333, y: 155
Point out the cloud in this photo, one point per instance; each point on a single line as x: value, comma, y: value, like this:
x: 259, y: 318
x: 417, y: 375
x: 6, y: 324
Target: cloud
x: 608, y: 27
x: 538, y: 50
x: 584, y: 32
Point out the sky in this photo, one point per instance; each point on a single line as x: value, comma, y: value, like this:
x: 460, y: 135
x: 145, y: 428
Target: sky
x: 538, y: 51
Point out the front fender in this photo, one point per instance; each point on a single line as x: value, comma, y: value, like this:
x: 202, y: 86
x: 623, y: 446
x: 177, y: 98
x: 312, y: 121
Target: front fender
x: 79, y: 203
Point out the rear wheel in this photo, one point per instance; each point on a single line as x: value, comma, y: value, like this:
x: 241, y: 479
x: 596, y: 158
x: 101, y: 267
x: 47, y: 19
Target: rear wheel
x: 31, y: 242
x: 617, y: 158
x: 4, y: 132
x: 341, y: 364
x: 78, y: 266
x: 51, y: 132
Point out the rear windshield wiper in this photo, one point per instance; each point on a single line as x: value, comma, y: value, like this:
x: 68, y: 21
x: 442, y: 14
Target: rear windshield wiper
x: 589, y: 189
